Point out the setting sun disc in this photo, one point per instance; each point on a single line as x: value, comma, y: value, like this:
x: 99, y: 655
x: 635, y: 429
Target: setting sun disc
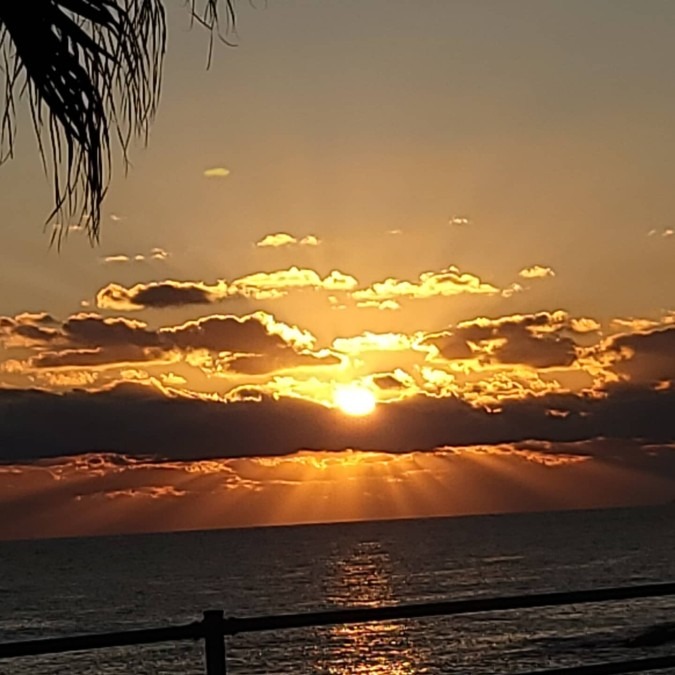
x: 355, y: 400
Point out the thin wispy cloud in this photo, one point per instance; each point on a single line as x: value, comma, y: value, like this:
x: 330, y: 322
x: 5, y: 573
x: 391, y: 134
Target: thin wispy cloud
x: 216, y: 172
x: 667, y: 232
x: 282, y: 239
x: 116, y: 259
x: 158, y: 254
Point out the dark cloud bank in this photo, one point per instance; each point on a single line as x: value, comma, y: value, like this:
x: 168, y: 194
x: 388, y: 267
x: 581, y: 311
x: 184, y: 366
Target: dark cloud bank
x: 137, y: 420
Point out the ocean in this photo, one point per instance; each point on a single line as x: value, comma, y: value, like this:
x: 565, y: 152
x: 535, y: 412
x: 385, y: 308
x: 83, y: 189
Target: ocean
x: 68, y: 586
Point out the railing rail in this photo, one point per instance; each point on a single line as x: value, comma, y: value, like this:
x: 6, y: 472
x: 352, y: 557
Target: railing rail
x: 214, y: 627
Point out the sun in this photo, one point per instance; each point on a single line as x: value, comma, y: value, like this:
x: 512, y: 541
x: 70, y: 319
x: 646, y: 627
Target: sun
x: 354, y: 400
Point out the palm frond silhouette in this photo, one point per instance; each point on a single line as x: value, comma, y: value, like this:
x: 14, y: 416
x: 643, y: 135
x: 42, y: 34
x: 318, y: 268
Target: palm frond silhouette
x: 92, y: 72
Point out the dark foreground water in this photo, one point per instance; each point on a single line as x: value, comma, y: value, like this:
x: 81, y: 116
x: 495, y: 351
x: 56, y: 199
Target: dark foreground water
x: 62, y: 587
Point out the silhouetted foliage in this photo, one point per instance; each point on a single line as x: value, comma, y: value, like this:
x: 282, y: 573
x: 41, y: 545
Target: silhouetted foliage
x: 91, y: 70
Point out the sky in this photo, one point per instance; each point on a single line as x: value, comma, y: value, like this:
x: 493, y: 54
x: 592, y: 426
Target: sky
x: 379, y: 260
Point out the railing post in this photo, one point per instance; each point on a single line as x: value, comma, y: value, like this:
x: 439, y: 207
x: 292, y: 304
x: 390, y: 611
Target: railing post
x: 214, y: 642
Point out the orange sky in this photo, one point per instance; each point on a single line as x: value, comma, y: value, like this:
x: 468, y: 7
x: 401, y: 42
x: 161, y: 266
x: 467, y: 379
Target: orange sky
x: 474, y: 237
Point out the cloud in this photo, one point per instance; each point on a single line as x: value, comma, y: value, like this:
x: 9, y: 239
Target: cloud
x: 104, y: 492
x: 155, y: 254
x: 99, y: 357
x: 282, y: 359
x: 458, y: 221
x: 447, y: 282
x: 271, y: 284
x: 35, y: 318
x: 172, y: 380
x: 158, y: 295
x: 159, y: 254
x: 484, y: 361
x: 398, y: 380
x: 646, y: 357
x: 116, y: 259
x: 139, y: 421
x: 667, y: 232
x: 69, y: 379
x: 584, y: 325
x: 216, y: 172
x: 450, y: 344
x: 254, y: 344
x: 260, y: 285
x: 88, y: 340
x: 222, y: 333
x: 384, y: 295
x: 536, y: 272
x: 276, y: 240
x: 282, y: 239
x: 27, y: 329
x: 535, y: 340
x: 633, y: 324
x: 91, y: 330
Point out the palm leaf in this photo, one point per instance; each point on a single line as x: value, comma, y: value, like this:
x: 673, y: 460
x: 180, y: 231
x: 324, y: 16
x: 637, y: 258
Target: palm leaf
x: 90, y: 69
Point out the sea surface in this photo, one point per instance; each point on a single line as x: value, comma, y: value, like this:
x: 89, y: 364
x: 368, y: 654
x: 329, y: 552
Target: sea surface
x: 69, y: 586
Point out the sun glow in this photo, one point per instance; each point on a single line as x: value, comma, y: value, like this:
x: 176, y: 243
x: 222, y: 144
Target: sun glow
x: 355, y: 400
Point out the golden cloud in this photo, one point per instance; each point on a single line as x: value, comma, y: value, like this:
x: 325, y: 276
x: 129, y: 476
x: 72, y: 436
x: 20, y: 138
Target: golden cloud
x: 536, y: 272
x: 155, y: 254
x: 261, y: 284
x: 172, y: 380
x: 484, y: 361
x: 159, y: 254
x: 447, y: 282
x: 283, y: 239
x: 633, y: 324
x: 216, y: 172
x: 69, y: 379
x: 277, y: 240
x: 584, y: 325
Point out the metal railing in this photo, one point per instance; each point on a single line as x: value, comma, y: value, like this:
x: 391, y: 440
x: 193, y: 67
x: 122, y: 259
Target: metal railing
x: 214, y: 627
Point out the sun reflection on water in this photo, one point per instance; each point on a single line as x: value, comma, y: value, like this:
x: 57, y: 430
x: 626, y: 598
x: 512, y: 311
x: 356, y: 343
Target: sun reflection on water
x: 363, y: 577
